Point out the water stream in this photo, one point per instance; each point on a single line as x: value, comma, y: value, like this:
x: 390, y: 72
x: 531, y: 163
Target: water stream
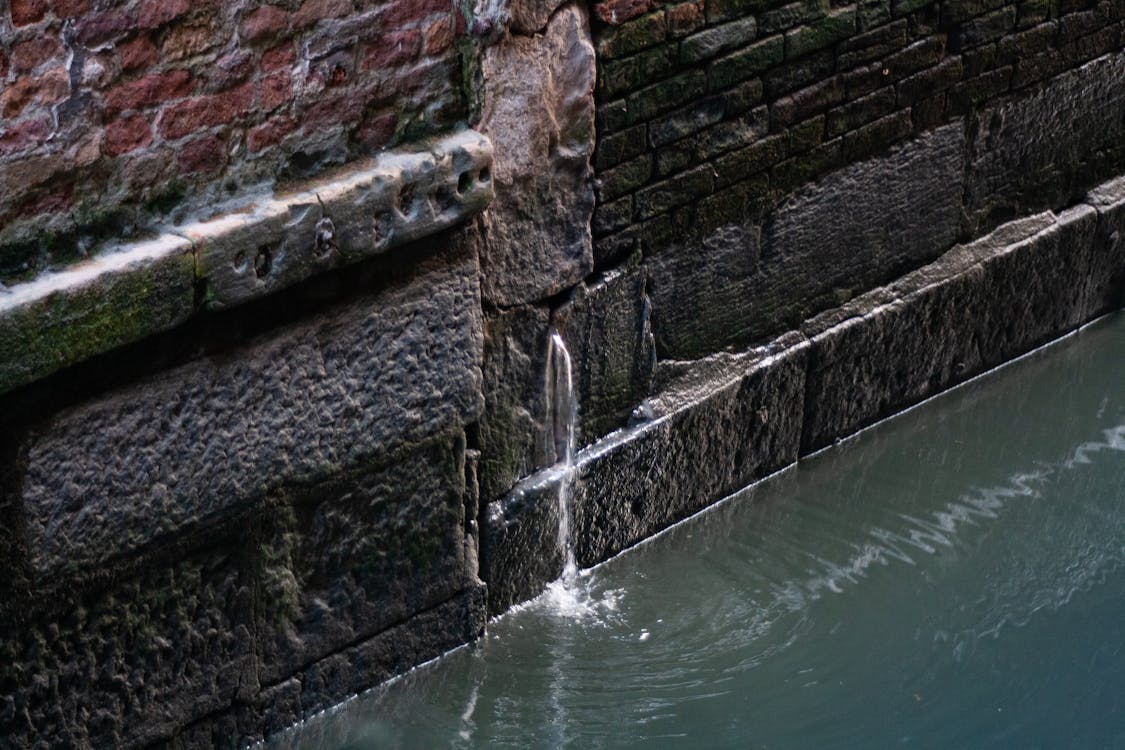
x: 561, y: 429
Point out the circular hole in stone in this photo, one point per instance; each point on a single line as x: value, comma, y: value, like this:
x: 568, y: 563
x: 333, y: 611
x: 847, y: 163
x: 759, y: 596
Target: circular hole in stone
x: 484, y: 175
x: 239, y: 262
x: 464, y: 182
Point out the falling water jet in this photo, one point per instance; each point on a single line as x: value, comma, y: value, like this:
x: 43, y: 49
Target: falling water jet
x: 560, y: 428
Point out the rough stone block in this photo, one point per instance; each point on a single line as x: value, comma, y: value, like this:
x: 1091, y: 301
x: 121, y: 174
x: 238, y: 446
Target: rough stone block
x: 130, y: 665
x: 403, y: 196
x: 394, y: 651
x: 347, y: 559
x: 859, y: 226
x: 511, y: 426
x: 1106, y: 275
x: 308, y: 401
x: 1045, y: 149
x: 606, y: 329
x: 539, y: 112
x: 978, y: 306
x: 720, y: 424
x: 113, y: 299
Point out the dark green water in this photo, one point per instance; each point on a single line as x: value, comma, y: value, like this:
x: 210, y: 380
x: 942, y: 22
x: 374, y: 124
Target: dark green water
x: 952, y: 578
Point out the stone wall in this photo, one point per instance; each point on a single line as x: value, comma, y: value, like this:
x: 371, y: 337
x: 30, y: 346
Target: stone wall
x: 278, y: 280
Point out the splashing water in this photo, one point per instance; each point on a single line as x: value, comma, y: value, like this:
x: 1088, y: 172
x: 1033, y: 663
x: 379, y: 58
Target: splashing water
x: 560, y: 427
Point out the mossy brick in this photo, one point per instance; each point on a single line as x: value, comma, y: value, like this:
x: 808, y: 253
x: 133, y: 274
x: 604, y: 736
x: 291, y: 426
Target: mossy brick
x: 872, y: 45
x: 676, y: 191
x: 793, y: 74
x: 877, y: 136
x: 1075, y: 25
x: 733, y: 134
x: 619, y: 147
x: 632, y: 37
x: 808, y: 101
x: 958, y: 11
x: 790, y: 174
x: 983, y: 29
x: 793, y: 14
x: 666, y: 95
x: 906, y: 7
x: 825, y: 32
x: 807, y: 135
x: 1028, y: 42
x: 854, y: 114
x: 1033, y: 12
x: 744, y: 96
x: 871, y: 14
x: 741, y: 203
x: 725, y: 10
x: 684, y: 122
x: 676, y: 157
x: 112, y: 299
x: 1036, y: 68
x: 928, y: 113
x: 624, y: 178
x: 668, y: 230
x: 974, y: 91
x: 974, y: 62
x: 1086, y: 48
x: 706, y: 44
x: 755, y: 158
x: 865, y: 79
x: 684, y: 18
x: 928, y: 82
x: 616, y: 77
x: 746, y: 63
x: 613, y: 216
x: 611, y: 250
x: 919, y: 55
x: 611, y: 117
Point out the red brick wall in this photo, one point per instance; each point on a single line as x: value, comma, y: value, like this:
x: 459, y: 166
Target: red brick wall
x: 112, y: 113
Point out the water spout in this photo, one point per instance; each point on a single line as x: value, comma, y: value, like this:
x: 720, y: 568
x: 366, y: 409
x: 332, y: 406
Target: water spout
x: 560, y: 427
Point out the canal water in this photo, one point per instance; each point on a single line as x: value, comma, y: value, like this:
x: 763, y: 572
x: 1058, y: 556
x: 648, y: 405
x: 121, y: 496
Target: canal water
x: 952, y: 578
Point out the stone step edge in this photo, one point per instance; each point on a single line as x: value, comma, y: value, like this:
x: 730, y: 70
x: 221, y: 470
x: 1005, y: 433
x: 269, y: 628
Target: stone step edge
x: 256, y: 247
x: 729, y: 419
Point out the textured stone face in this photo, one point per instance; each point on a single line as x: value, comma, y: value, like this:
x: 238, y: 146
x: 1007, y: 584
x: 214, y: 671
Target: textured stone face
x: 307, y: 402
x: 860, y: 226
x: 130, y: 665
x: 355, y: 555
x: 1042, y: 150
x: 539, y: 114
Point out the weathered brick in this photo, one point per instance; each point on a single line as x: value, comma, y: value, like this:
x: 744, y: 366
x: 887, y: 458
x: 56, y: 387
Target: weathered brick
x: 794, y: 74
x: 99, y: 28
x: 984, y: 29
x: 29, y: 55
x: 127, y: 134
x: 1032, y: 12
x: 270, y: 132
x: 27, y: 11
x: 823, y: 33
x: 738, y: 204
x: 871, y: 14
x: 205, y: 154
x: 202, y: 112
x: 619, y: 147
x: 622, y: 75
x: 1037, y: 68
x: 806, y: 135
x: 853, y: 114
x: 154, y: 13
x: 929, y: 82
x: 149, y: 91
x: 137, y: 53
x: 755, y: 158
x: 617, y: 12
x: 666, y: 95
x: 313, y: 11
x: 744, y: 96
x: 872, y: 45
x: 264, y: 21
x: 673, y: 192
x: 714, y: 41
x: 746, y: 63
x: 956, y: 11
x: 1028, y: 42
x: 918, y: 56
x: 684, y: 18
x: 725, y: 10
x: 905, y: 7
x: 71, y: 8
x: 793, y: 14
x: 794, y: 172
x: 928, y: 113
x: 623, y: 178
x: 23, y: 135
x: 395, y: 48
x: 686, y: 121
x: 877, y: 135
x: 733, y: 134
x: 634, y: 36
x: 613, y: 216
x: 968, y: 94
x: 807, y: 102
x: 865, y: 79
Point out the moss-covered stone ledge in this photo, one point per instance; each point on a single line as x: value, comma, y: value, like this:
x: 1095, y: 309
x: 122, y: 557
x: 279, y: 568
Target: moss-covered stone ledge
x: 241, y: 251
